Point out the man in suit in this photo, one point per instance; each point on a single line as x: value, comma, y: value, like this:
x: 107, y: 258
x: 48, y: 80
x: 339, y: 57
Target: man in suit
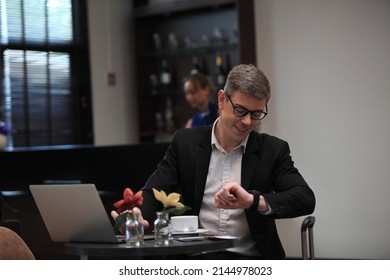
x: 237, y: 180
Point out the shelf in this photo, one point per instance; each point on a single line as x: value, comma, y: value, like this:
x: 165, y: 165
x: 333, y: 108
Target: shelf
x: 171, y: 7
x: 221, y: 47
x: 193, y: 19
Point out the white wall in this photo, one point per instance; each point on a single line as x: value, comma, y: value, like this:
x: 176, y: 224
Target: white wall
x: 111, y: 50
x: 329, y: 68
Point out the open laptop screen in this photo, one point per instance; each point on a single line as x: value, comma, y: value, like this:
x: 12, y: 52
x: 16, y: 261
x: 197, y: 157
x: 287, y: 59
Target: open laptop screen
x: 73, y: 213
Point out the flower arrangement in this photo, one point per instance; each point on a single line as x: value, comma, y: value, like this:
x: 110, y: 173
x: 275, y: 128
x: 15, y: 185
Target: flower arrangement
x: 125, y: 206
x: 134, y: 229
x: 171, y: 206
x: 171, y: 202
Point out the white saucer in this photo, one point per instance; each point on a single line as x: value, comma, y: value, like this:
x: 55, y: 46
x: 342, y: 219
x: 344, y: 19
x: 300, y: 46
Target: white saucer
x: 223, y: 237
x: 199, y: 230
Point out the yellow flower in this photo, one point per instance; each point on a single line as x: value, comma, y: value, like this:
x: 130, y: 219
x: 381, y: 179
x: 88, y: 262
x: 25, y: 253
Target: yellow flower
x: 171, y: 200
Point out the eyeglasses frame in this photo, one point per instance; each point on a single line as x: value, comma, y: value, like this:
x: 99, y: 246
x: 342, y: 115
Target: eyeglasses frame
x: 264, y: 114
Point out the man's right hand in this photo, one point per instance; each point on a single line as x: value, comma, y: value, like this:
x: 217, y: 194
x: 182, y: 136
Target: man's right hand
x: 115, y: 214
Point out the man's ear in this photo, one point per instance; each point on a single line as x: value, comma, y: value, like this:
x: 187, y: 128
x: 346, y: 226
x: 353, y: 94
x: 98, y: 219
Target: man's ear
x: 221, y: 99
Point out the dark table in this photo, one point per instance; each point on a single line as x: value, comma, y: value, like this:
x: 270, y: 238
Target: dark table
x: 149, y: 249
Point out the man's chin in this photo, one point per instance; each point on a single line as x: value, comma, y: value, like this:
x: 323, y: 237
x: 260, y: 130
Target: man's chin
x: 239, y: 134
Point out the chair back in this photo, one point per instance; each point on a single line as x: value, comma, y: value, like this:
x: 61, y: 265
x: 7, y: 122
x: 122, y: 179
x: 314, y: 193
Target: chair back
x: 13, y: 247
x: 307, y: 245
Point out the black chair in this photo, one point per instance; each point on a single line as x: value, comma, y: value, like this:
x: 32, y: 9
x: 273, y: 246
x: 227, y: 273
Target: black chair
x: 307, y: 245
x: 13, y: 224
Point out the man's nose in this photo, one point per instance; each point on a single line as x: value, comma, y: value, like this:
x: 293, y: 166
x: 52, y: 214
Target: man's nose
x: 246, y: 119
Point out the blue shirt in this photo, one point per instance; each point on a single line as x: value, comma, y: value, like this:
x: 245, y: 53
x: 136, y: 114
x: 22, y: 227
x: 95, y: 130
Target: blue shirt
x: 203, y: 118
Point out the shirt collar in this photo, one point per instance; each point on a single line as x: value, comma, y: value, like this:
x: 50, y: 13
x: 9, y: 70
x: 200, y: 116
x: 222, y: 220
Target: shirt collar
x: 214, y: 141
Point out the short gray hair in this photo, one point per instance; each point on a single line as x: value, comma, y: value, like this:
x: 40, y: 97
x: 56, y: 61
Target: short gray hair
x: 248, y: 79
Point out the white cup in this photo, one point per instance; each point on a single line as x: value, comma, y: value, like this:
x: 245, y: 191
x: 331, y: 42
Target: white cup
x: 184, y: 223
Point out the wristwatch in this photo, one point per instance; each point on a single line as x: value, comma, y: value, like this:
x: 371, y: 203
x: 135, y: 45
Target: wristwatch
x: 256, y: 199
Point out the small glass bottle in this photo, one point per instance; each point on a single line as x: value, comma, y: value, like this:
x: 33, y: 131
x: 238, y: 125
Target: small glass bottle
x: 162, y: 229
x: 134, y: 230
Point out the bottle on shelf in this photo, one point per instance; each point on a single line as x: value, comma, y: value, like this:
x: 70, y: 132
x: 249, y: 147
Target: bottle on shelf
x: 153, y: 84
x: 172, y: 39
x: 169, y: 122
x: 195, y: 68
x: 220, y: 76
x: 165, y: 76
x: 157, y: 41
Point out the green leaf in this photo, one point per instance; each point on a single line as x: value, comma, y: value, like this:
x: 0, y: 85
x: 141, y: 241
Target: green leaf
x: 178, y: 211
x: 120, y: 222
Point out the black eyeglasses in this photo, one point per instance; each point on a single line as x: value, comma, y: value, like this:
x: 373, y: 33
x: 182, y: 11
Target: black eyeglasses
x: 240, y: 111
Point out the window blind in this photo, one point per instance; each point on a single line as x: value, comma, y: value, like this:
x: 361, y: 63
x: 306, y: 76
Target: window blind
x: 39, y: 93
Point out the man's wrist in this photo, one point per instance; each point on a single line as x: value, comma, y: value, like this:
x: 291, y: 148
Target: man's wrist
x: 264, y: 207
x: 256, y: 199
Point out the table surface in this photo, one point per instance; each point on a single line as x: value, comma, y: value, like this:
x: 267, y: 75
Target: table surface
x: 148, y: 249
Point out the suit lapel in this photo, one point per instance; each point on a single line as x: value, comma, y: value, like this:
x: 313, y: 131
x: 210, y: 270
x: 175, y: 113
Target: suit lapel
x: 203, y: 155
x: 249, y: 160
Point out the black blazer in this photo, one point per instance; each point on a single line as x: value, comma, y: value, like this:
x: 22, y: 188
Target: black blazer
x: 266, y: 166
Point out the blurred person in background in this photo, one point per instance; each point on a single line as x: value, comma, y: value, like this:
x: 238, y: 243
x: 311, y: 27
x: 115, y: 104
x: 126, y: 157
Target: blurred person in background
x: 197, y: 89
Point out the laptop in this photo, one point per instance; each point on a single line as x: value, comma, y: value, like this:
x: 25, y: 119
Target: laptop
x: 74, y: 213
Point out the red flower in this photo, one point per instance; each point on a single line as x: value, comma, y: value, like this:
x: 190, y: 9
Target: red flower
x: 129, y: 201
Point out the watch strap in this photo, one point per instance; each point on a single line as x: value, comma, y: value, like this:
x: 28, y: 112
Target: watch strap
x: 256, y: 199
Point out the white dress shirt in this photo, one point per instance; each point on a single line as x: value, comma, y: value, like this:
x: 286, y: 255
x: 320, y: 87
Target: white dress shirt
x: 224, y: 168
